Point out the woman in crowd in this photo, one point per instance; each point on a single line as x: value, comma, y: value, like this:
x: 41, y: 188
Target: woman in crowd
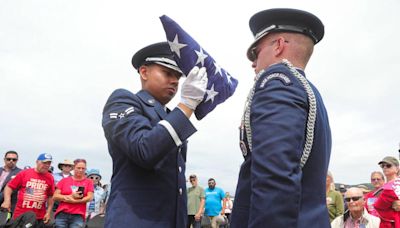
x: 66, y: 168
x: 228, y: 206
x: 334, y: 199
x: 390, y: 168
x: 73, y: 193
x: 389, y: 194
x: 97, y: 204
x: 377, y: 180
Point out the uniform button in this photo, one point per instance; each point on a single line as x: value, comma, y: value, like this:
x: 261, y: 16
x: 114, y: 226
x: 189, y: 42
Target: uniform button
x: 180, y: 169
x: 180, y: 191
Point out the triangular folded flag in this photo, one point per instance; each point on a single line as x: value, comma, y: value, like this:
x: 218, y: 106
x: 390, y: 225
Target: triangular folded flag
x: 188, y: 53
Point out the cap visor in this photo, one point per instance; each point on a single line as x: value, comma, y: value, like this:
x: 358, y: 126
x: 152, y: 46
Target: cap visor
x: 252, y: 45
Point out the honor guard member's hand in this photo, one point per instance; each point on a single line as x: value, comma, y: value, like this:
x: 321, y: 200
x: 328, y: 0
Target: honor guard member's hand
x: 194, y: 88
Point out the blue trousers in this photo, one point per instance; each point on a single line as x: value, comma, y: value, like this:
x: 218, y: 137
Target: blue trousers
x: 65, y: 220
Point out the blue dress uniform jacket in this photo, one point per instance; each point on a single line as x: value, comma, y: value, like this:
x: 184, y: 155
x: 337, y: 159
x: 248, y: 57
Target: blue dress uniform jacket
x: 148, y: 149
x: 273, y: 191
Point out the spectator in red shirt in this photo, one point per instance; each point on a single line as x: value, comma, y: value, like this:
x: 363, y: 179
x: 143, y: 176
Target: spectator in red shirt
x: 390, y: 168
x: 385, y: 204
x: 73, y: 193
x: 35, y: 188
x: 377, y: 180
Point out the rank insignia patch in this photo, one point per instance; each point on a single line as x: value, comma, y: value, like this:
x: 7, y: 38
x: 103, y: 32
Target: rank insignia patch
x: 119, y: 115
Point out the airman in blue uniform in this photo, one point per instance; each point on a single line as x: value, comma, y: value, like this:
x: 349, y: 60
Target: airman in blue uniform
x: 147, y: 142
x: 285, y: 133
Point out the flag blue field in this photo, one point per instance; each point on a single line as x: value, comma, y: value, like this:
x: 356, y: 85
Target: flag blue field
x: 188, y: 53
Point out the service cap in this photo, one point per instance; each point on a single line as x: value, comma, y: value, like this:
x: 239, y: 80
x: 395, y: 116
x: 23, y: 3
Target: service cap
x: 159, y: 53
x: 284, y: 20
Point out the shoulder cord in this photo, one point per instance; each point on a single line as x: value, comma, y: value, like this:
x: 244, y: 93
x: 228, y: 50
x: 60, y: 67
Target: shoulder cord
x: 246, y: 113
x: 311, y: 112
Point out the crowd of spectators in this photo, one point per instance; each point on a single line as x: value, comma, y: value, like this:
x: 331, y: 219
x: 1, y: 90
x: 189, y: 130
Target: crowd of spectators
x: 372, y: 205
x: 210, y: 207
x: 75, y: 196
x: 40, y: 197
x: 363, y: 206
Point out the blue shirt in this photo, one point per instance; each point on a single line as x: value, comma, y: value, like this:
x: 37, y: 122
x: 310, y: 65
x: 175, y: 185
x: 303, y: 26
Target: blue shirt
x: 213, y: 201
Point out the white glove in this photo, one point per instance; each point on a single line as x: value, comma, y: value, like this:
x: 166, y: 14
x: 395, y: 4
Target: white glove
x: 194, y: 87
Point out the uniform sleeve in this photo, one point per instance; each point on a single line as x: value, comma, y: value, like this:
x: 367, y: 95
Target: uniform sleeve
x: 278, y: 119
x: 145, y: 143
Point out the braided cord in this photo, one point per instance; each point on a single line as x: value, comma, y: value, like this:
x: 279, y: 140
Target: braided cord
x: 312, y: 112
x: 246, y: 113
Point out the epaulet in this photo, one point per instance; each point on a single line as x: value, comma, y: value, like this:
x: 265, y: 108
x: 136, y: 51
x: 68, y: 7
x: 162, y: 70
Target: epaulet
x: 282, y: 77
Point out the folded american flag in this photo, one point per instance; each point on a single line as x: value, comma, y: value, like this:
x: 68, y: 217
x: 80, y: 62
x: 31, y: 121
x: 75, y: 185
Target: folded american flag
x: 188, y: 53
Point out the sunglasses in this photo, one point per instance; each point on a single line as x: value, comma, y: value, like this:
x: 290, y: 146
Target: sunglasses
x: 376, y: 179
x: 354, y: 198
x: 385, y: 165
x: 192, y: 180
x: 255, y: 51
x: 94, y: 177
x: 12, y: 159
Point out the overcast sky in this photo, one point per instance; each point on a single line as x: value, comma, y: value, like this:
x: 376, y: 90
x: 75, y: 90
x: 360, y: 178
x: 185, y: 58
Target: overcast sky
x: 60, y: 60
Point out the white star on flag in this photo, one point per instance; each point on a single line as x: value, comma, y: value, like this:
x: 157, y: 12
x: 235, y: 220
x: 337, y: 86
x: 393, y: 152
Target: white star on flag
x: 228, y: 76
x: 176, y: 46
x: 200, y: 56
x: 221, y: 84
x: 211, y: 93
x: 218, y: 69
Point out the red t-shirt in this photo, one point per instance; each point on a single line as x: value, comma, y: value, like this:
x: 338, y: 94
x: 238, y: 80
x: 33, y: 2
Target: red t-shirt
x: 67, y: 186
x: 383, y: 205
x: 33, y: 190
x: 370, y: 199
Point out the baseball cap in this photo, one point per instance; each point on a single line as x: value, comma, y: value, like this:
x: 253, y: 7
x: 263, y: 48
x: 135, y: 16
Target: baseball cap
x: 45, y: 157
x: 390, y: 160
